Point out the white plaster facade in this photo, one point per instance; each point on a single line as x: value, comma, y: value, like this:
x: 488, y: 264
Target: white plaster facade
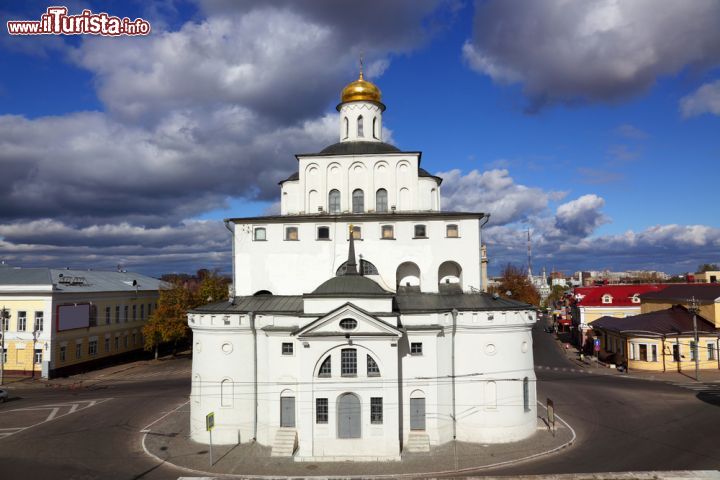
x: 352, y: 358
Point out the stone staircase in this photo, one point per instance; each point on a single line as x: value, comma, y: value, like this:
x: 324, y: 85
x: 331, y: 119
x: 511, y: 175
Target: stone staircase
x: 418, y: 442
x: 285, y: 443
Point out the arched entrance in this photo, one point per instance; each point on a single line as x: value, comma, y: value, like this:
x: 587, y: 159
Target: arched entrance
x: 349, y: 416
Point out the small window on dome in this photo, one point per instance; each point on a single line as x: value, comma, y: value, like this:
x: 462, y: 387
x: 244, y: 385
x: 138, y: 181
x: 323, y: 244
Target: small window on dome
x: 347, y: 128
x: 360, y: 126
x: 607, y: 298
x: 348, y: 324
x: 375, y: 129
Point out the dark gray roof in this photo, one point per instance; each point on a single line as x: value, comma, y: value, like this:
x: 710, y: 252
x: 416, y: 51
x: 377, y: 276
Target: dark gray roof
x: 404, y: 303
x: 64, y: 280
x: 291, y: 178
x: 287, y: 304
x: 25, y: 276
x: 350, y: 286
x: 359, y: 148
x: 681, y: 293
x: 424, y: 173
x: 671, y: 321
x: 434, y: 302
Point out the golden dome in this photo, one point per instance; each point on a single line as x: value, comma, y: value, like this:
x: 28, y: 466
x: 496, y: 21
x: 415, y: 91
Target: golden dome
x: 360, y: 90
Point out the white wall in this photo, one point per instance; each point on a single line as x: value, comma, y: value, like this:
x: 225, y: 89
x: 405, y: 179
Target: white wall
x: 296, y: 267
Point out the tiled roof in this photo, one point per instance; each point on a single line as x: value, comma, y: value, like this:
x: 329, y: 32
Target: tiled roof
x: 675, y: 320
x: 622, y: 295
x: 703, y: 292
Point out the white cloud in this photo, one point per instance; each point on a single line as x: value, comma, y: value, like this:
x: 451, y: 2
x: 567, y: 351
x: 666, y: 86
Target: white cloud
x: 606, y: 50
x: 580, y: 217
x: 492, y: 191
x: 705, y: 99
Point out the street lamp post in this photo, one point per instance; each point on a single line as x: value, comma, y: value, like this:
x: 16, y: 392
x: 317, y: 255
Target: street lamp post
x: 693, y: 307
x: 4, y: 316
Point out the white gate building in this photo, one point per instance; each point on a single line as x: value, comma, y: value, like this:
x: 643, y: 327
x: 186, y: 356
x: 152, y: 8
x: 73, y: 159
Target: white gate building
x: 357, y: 329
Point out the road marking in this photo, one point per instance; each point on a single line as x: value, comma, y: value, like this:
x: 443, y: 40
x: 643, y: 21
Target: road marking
x: 52, y: 414
x: 74, y: 407
x: 147, y: 428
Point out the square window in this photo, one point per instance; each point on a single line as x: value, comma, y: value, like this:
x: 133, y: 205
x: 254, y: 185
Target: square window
x: 117, y: 314
x: 107, y: 344
x: 78, y: 350
x: 376, y: 410
x: 416, y: 348
x: 388, y: 232
x: 125, y: 312
x: 420, y: 231
x: 452, y: 231
x: 348, y: 362
x: 323, y: 233
x: 259, y: 234
x: 92, y: 348
x: 63, y: 353
x: 22, y: 321
x: 321, y: 410
x: 38, y: 356
x: 711, y: 351
x: 39, y: 321
x: 107, y: 316
x: 134, y: 312
x: 291, y: 233
x: 356, y: 232
x: 287, y: 348
x: 226, y: 320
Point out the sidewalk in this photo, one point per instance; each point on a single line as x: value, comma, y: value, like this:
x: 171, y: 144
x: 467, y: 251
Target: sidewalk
x: 602, y: 368
x: 86, y: 379
x: 168, y: 439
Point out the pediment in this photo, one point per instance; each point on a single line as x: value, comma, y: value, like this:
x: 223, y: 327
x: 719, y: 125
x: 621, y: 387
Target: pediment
x: 365, y: 324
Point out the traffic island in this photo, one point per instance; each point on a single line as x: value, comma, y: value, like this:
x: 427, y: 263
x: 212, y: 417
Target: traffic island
x: 168, y: 439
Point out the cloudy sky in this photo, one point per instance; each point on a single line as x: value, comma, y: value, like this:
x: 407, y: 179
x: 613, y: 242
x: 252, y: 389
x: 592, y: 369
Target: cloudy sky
x: 594, y: 123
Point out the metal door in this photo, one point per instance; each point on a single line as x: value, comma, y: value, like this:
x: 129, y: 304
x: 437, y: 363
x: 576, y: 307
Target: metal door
x: 287, y: 412
x: 349, y: 416
x: 417, y: 414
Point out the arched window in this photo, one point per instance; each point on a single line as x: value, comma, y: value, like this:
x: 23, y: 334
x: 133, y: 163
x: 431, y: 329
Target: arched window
x: 366, y: 268
x: 325, y: 368
x: 334, y: 201
x: 360, y: 126
x: 381, y: 200
x: 226, y: 393
x: 375, y: 131
x: 347, y: 127
x: 372, y: 367
x: 358, y: 201
x: 526, y: 394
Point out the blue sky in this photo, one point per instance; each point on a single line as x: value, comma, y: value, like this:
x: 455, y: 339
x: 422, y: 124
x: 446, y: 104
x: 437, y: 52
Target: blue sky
x: 595, y: 125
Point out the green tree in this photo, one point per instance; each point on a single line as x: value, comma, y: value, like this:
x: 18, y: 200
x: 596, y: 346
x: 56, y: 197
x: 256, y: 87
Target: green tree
x: 708, y: 267
x: 555, y: 294
x: 514, y: 284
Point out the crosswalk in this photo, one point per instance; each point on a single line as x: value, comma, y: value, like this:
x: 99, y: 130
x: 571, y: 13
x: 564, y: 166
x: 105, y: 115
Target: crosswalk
x: 709, y: 389
x: 20, y: 419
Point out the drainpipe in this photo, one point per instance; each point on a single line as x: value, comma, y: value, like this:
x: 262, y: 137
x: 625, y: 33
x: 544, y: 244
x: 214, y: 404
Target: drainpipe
x: 663, y: 352
x: 232, y: 242
x: 454, y: 313
x: 251, y: 316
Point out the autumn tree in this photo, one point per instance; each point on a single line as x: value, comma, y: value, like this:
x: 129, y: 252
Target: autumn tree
x: 514, y: 284
x: 556, y: 294
x: 168, y: 323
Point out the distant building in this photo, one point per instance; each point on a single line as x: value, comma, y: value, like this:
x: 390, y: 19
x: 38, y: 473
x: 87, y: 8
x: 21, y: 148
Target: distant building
x: 707, y: 277
x: 661, y: 337
x: 660, y: 340
x: 62, y: 321
x: 594, y: 302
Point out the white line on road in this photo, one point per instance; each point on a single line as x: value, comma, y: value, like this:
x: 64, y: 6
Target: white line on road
x: 90, y: 403
x: 52, y: 414
x: 147, y: 428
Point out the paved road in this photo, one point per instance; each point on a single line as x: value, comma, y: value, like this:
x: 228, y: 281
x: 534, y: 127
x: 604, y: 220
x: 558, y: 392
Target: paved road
x: 100, y: 441
x: 622, y: 424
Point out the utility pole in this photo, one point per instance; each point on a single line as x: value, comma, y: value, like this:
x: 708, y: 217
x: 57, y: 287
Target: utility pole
x: 693, y: 307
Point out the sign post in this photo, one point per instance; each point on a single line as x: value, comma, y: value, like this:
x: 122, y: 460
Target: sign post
x: 209, y: 425
x: 551, y: 415
x: 596, y: 347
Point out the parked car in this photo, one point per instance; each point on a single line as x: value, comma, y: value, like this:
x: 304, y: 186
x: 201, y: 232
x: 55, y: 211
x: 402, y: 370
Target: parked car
x: 3, y: 395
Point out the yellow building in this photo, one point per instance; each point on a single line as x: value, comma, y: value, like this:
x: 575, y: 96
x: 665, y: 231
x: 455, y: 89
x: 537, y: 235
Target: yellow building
x: 63, y: 321
x: 659, y: 340
x: 705, y: 296
x: 707, y: 277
